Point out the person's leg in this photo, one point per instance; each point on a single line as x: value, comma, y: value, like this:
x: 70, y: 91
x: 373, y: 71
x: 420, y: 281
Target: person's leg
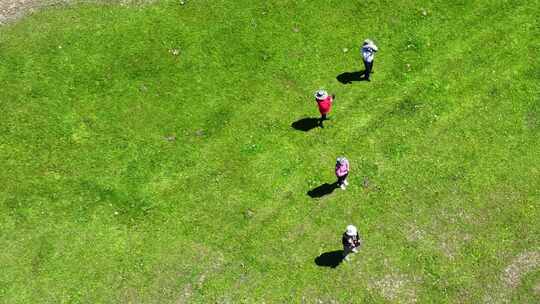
x: 346, y: 251
x: 345, y: 179
x: 369, y: 66
x: 341, y: 181
x: 365, y: 67
x: 323, y: 118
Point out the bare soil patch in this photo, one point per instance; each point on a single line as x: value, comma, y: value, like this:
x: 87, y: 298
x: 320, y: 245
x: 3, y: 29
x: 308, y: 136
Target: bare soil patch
x: 519, y: 267
x: 396, y: 287
x: 12, y: 10
x: 512, y: 275
x: 537, y: 289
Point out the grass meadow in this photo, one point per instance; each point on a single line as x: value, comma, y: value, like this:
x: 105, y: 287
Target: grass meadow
x: 148, y: 153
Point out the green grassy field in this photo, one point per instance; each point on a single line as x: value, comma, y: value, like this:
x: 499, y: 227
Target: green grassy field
x: 132, y: 173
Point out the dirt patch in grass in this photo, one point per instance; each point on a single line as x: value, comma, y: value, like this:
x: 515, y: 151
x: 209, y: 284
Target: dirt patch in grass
x: 512, y: 275
x: 395, y: 287
x: 215, y: 261
x: 185, y: 295
x: 12, y: 10
x: 130, y: 295
x: 536, y: 289
x: 174, y: 278
x: 519, y: 267
x: 449, y: 241
x: 414, y: 233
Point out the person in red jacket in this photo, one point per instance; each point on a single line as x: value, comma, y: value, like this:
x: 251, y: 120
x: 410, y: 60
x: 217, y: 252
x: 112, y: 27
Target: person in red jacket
x: 324, y: 102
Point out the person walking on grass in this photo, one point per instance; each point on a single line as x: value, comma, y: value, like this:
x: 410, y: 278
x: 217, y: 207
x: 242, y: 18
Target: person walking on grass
x: 342, y: 171
x: 368, y: 54
x: 324, y: 102
x: 351, y: 241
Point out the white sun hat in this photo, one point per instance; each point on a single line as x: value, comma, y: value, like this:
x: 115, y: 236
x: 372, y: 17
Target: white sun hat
x: 351, y: 230
x: 321, y: 94
x: 367, y: 41
x: 341, y: 160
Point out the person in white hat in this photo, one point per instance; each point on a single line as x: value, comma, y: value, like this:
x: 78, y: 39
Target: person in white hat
x: 351, y: 241
x: 324, y: 103
x: 368, y: 54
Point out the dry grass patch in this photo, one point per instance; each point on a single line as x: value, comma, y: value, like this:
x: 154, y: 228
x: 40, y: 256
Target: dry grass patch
x: 11, y: 10
x: 537, y: 289
x: 519, y: 267
x: 512, y: 276
x: 396, y: 287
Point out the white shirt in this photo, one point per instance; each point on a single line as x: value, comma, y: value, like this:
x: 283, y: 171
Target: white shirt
x: 368, y: 51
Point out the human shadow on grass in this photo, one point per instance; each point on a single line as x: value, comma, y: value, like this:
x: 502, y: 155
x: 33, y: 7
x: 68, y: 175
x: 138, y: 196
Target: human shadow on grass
x: 330, y: 259
x: 348, y: 77
x: 322, y: 190
x: 306, y: 124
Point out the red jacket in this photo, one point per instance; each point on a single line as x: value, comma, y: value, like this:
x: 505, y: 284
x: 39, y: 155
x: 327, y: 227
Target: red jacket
x: 325, y: 105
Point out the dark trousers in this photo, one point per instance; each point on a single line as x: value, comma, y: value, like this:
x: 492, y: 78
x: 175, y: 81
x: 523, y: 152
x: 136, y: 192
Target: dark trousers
x: 323, y: 118
x: 340, y: 179
x: 369, y: 68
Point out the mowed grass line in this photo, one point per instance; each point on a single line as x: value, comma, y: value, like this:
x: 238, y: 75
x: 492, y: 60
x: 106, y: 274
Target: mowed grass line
x: 136, y: 175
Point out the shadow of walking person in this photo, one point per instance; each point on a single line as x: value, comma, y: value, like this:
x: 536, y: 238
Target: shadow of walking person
x: 348, y: 78
x: 306, y: 124
x: 322, y: 190
x: 330, y: 259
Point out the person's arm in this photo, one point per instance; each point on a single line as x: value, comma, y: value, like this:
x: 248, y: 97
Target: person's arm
x: 345, y: 241
x: 358, y: 242
x: 341, y: 170
x: 374, y: 47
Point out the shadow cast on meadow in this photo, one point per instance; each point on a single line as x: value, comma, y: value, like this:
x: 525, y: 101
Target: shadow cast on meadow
x: 330, y: 259
x: 306, y: 124
x: 322, y: 190
x: 349, y: 77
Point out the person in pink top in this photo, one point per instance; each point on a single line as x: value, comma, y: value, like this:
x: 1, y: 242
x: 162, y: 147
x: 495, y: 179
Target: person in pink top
x: 324, y: 102
x: 342, y: 171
